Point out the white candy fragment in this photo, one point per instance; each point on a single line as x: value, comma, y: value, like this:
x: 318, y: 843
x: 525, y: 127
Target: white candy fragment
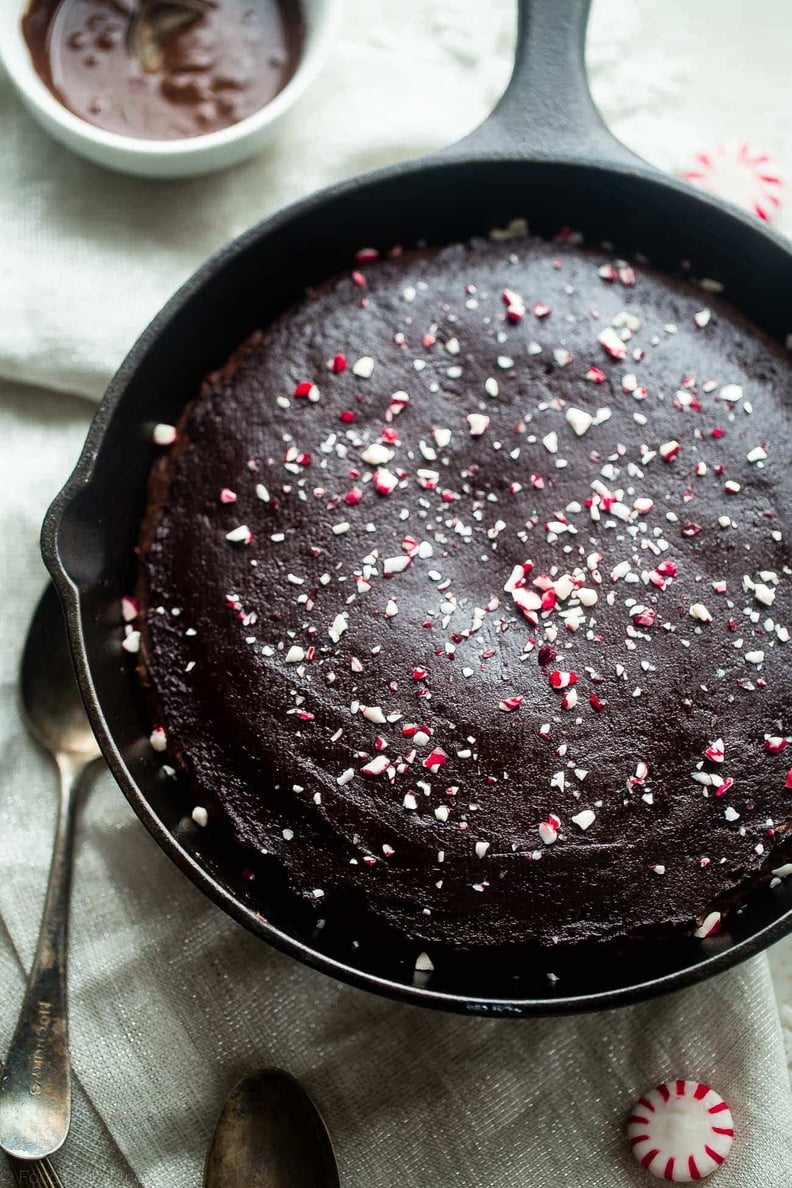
x: 478, y: 423
x: 240, y: 535
x: 376, y: 454
x: 163, y: 434
x: 131, y: 642
x: 338, y: 627
x: 764, y: 594
x: 363, y: 367
x: 393, y: 565
x: 579, y: 420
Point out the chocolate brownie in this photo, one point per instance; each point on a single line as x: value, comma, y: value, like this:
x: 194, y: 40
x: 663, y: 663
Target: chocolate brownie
x: 465, y: 592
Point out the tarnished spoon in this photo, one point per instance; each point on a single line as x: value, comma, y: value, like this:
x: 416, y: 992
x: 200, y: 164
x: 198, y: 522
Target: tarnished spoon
x: 34, y: 1175
x: 270, y: 1135
x: 35, y: 1092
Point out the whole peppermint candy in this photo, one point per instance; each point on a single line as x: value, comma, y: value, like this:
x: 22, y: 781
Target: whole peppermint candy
x: 740, y: 174
x: 680, y: 1131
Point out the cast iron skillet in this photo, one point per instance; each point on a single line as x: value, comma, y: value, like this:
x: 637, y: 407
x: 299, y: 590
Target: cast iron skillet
x: 544, y: 154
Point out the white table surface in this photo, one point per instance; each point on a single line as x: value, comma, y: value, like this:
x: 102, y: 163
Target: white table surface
x: 671, y: 77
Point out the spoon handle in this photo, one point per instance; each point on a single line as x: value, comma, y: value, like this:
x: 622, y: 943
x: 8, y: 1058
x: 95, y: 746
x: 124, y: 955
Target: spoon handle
x: 34, y: 1175
x: 35, y: 1092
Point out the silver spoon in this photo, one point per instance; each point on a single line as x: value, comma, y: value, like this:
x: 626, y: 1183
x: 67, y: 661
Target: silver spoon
x: 270, y: 1135
x: 35, y: 1092
x: 34, y: 1175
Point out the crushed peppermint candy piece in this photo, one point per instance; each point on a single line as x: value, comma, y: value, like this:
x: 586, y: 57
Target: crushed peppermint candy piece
x: 548, y: 832
x: 585, y: 818
x: 609, y: 339
x: 158, y: 739
x: 579, y: 420
x: 709, y: 926
x: 393, y: 565
x: 715, y: 751
x: 669, y: 450
x: 338, y: 627
x: 307, y: 391
x: 130, y: 609
x: 376, y: 454
x: 478, y: 423
x: 131, y: 641
x: 376, y: 766
x: 435, y: 759
x: 240, y: 535
x: 363, y: 367
x: 164, y: 435
x: 562, y: 680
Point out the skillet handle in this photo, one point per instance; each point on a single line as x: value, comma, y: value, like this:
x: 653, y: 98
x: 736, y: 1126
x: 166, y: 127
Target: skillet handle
x: 546, y: 111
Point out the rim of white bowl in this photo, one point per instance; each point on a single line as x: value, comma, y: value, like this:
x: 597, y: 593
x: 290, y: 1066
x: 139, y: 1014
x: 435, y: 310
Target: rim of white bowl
x: 320, y: 25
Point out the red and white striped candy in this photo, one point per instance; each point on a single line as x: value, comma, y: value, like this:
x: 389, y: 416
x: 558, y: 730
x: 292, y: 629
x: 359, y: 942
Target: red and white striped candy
x: 740, y: 174
x: 680, y: 1131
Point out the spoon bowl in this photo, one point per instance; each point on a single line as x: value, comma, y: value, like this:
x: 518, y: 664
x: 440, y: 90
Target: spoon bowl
x: 154, y: 22
x: 50, y: 700
x: 270, y: 1135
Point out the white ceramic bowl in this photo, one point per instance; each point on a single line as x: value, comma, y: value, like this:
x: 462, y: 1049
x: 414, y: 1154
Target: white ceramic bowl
x: 163, y: 158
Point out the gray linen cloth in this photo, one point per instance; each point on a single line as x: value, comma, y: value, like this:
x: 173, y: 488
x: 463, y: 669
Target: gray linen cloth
x: 171, y: 1001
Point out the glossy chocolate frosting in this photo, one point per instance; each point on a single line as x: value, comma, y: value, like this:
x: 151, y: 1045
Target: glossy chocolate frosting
x: 465, y: 592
